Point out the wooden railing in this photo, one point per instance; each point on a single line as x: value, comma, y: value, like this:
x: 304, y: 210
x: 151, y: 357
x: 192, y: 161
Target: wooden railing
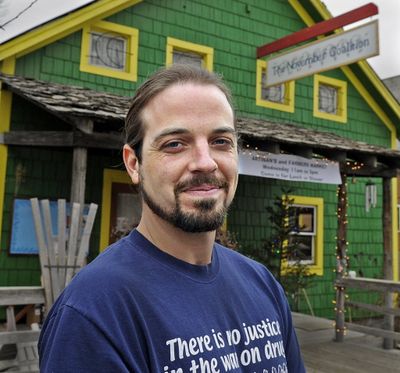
x: 16, y: 296
x: 388, y: 310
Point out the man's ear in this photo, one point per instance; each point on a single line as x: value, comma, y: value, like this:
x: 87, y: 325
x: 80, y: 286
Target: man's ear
x: 131, y: 163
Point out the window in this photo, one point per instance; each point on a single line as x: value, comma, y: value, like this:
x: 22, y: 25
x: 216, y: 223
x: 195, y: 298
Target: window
x: 330, y: 98
x: 179, y: 51
x: 121, y: 207
x: 279, y: 97
x: 306, y: 218
x: 302, y: 236
x: 110, y: 49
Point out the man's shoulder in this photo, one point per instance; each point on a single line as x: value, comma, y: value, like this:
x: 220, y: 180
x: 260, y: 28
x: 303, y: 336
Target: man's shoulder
x: 236, y: 257
x: 115, y: 268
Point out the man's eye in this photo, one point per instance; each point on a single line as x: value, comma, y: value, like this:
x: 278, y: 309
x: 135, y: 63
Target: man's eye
x: 173, y: 145
x: 222, y: 142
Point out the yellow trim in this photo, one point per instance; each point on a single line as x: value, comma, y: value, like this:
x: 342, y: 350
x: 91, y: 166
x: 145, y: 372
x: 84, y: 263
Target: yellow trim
x: 376, y: 81
x: 289, y: 92
x: 318, y: 203
x: 371, y: 102
x: 341, y: 87
x: 395, y: 233
x: 62, y: 27
x: 301, y: 12
x: 109, y: 177
x: 7, y: 67
x: 131, y: 61
x: 206, y: 52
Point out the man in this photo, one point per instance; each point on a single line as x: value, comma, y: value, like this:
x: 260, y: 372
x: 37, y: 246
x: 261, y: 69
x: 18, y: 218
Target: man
x: 166, y: 298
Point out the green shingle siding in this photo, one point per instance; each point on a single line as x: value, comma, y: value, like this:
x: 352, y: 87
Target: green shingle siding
x: 234, y: 29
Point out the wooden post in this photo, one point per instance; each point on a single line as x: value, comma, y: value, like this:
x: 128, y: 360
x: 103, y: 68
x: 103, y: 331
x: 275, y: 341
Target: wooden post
x: 341, y: 259
x: 79, y: 165
x: 388, y: 323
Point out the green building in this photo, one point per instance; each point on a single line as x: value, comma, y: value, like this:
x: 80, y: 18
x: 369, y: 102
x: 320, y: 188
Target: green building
x: 342, y: 118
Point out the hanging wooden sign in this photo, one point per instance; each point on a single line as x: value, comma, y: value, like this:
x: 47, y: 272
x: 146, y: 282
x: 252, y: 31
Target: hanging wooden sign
x: 326, y: 54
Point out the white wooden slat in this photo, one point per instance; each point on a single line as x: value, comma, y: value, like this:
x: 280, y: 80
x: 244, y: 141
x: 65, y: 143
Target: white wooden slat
x: 21, y: 295
x: 44, y: 262
x: 55, y: 283
x: 72, y: 241
x: 84, y: 242
x: 61, y: 240
x: 19, y: 336
x: 11, y: 323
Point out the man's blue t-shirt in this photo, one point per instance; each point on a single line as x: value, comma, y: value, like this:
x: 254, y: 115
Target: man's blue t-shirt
x: 137, y: 309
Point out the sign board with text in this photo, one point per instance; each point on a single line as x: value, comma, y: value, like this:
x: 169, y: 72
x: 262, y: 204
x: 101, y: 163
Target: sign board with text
x: 289, y: 167
x: 334, y: 51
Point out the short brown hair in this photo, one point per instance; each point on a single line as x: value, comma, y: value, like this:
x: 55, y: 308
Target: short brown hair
x: 158, y: 82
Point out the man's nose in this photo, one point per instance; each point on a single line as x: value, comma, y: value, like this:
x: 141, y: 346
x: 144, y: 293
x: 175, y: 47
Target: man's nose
x: 202, y: 159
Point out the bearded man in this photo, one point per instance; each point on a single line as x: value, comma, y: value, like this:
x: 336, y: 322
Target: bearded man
x: 167, y: 298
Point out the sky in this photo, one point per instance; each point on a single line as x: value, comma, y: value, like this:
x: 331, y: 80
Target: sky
x: 17, y: 16
x: 387, y: 64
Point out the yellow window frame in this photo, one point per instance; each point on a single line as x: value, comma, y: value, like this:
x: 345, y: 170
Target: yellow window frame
x: 341, y: 87
x: 109, y: 177
x: 131, y: 63
x: 207, y: 53
x: 289, y: 92
x: 318, y: 267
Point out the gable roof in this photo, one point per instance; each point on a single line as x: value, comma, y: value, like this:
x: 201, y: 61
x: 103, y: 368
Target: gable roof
x: 374, y: 91
x: 311, y: 11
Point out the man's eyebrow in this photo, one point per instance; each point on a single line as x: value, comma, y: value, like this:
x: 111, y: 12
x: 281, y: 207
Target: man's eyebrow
x: 181, y: 130
x: 170, y: 131
x: 225, y: 129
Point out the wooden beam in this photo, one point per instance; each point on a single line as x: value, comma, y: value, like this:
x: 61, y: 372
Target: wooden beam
x: 79, y: 166
x: 365, y: 171
x: 368, y: 160
x: 333, y: 155
x: 370, y: 284
x: 388, y: 321
x: 341, y: 258
x: 21, y: 295
x: 108, y: 140
x: 374, y: 308
x: 38, y: 138
x: 318, y: 29
x: 19, y: 336
x: 301, y: 151
x: 62, y: 139
x: 272, y: 147
x: 373, y: 331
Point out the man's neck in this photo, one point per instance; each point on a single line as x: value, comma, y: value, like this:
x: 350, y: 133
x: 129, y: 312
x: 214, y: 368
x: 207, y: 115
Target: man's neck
x: 193, y: 248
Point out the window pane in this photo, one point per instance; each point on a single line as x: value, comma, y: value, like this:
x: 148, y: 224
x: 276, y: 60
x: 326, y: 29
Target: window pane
x: 275, y: 93
x: 108, y: 51
x: 187, y: 58
x: 125, y: 210
x: 301, y: 248
x: 328, y: 99
x: 302, y: 219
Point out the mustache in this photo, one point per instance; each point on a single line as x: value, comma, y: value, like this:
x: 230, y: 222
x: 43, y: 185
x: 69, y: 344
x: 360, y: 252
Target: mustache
x: 200, y: 180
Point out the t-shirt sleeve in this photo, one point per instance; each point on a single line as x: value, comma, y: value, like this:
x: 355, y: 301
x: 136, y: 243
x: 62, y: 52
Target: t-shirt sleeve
x: 70, y: 342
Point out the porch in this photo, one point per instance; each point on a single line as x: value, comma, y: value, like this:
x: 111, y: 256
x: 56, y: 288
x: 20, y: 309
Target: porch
x: 357, y: 353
